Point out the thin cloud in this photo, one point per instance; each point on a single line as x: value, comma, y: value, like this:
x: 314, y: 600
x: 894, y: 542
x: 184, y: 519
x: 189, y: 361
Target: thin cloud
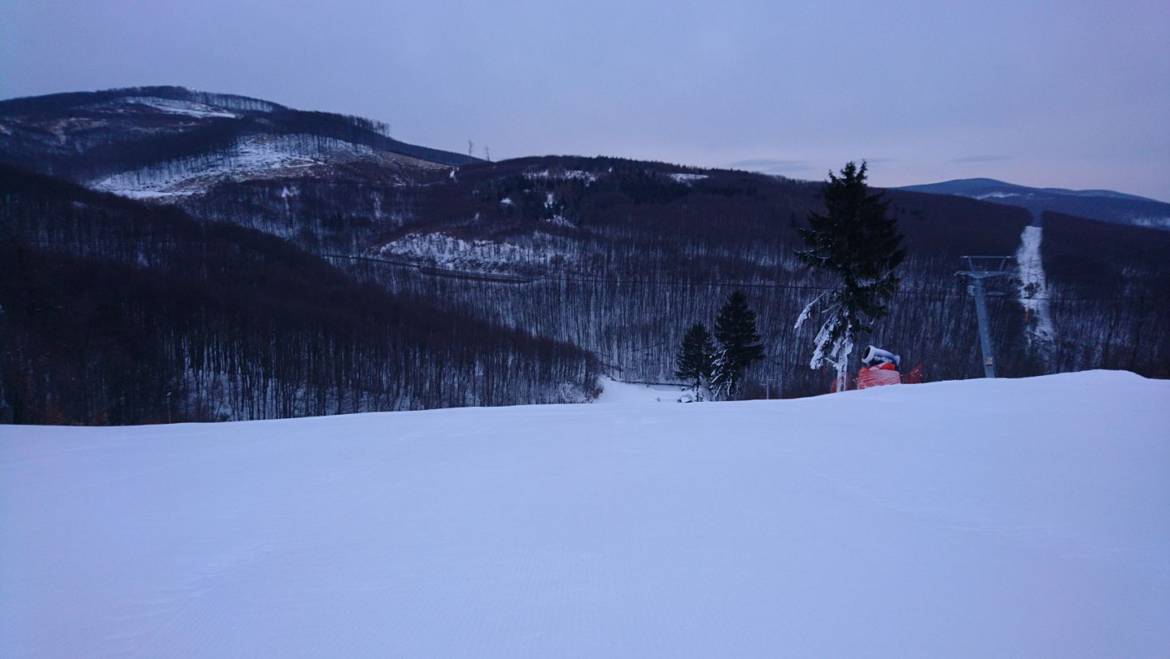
x: 981, y: 158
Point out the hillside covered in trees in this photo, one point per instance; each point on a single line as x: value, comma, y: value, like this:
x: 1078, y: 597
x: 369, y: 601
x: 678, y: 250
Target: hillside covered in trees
x: 621, y: 257
x: 115, y: 312
x: 526, y: 277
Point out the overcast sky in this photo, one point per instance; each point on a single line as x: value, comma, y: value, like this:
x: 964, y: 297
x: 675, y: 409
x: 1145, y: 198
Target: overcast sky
x: 1068, y: 93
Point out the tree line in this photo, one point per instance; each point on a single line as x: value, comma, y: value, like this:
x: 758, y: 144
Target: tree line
x: 716, y: 370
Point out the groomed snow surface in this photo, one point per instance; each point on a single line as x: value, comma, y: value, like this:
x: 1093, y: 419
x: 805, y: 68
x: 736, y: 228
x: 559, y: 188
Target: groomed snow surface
x: 1021, y: 518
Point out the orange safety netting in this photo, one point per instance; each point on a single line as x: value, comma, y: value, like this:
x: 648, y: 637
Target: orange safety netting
x: 877, y: 376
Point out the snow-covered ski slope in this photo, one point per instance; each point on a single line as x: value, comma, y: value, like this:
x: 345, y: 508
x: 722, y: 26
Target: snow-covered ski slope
x: 1021, y: 518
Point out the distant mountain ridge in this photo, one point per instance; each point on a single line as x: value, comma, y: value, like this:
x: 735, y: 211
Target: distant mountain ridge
x: 149, y: 142
x: 1103, y: 205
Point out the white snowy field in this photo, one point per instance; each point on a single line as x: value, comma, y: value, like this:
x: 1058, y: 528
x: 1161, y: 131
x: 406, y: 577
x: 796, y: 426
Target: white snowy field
x: 1021, y: 518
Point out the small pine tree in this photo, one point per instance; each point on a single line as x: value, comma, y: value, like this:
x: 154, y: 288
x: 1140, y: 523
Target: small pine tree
x: 739, y: 345
x: 696, y: 360
x: 859, y: 246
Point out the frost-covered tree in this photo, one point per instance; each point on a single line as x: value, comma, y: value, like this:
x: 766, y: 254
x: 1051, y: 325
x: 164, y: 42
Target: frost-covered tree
x: 858, y: 245
x: 739, y: 345
x: 695, y: 363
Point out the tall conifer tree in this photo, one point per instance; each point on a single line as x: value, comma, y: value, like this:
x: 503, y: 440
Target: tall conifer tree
x: 739, y: 345
x: 695, y: 364
x: 859, y: 246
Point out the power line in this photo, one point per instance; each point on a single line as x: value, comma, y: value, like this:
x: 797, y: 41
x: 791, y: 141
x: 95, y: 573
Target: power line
x: 570, y: 277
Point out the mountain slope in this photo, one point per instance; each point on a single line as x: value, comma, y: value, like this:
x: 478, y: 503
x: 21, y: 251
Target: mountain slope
x: 961, y: 519
x: 116, y: 312
x: 1104, y: 205
x: 618, y: 257
x: 159, y: 142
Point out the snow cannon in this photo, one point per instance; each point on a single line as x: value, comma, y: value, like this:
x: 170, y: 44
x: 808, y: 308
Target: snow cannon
x: 880, y: 368
x: 875, y: 356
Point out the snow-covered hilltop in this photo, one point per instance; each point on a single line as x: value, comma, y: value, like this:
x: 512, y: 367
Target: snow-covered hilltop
x: 980, y: 518
x: 163, y: 142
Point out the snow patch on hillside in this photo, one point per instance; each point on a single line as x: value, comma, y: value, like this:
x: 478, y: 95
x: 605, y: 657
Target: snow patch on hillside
x: 258, y: 156
x: 1152, y: 222
x: 185, y: 108
x: 445, y: 251
x: 985, y: 518
x: 681, y: 177
x: 562, y: 175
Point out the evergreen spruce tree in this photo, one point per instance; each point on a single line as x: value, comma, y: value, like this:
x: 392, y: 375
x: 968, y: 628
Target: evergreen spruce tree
x: 739, y: 345
x: 695, y: 364
x: 857, y: 244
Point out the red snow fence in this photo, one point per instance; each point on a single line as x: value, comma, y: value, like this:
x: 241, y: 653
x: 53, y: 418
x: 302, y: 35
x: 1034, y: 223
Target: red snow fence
x: 877, y: 376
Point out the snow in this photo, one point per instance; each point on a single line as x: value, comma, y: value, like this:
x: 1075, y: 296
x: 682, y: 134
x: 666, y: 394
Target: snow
x: 985, y: 518
x: 1033, y: 288
x: 1152, y: 222
x: 443, y: 250
x: 806, y: 312
x: 617, y: 392
x: 185, y: 108
x: 687, y: 178
x: 254, y: 156
x: 999, y: 195
x: 563, y: 175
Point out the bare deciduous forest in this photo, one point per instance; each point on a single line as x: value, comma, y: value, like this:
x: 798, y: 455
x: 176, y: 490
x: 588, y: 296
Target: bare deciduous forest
x: 373, y: 275
x: 116, y: 313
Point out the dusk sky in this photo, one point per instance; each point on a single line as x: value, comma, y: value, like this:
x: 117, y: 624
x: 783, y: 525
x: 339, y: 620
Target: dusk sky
x: 1071, y: 94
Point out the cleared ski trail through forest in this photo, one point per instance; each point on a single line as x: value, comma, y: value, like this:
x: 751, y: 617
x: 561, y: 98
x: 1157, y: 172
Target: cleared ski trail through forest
x: 1033, y: 289
x: 978, y: 518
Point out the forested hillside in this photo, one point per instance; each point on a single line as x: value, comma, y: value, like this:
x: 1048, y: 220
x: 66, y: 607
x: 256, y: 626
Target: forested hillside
x: 86, y: 136
x: 620, y: 257
x: 114, y: 312
x: 614, y: 257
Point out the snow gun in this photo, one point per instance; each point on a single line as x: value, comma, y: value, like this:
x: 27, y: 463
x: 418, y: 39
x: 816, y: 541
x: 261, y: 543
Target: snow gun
x: 875, y: 356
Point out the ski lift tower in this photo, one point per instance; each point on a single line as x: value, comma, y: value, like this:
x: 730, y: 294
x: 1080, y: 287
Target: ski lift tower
x: 980, y: 268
